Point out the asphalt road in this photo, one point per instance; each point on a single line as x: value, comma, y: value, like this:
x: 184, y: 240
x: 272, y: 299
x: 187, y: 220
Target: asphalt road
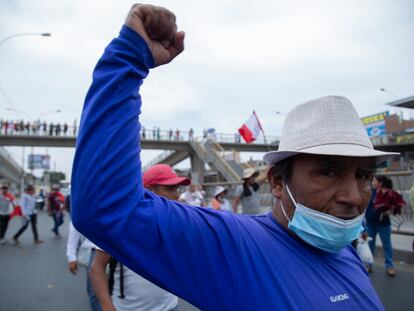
x: 35, y: 277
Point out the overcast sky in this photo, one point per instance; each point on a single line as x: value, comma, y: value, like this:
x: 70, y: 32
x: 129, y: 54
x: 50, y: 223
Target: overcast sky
x: 240, y: 55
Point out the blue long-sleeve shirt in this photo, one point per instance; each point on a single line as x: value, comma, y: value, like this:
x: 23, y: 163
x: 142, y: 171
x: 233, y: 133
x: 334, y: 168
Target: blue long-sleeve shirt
x: 215, y: 260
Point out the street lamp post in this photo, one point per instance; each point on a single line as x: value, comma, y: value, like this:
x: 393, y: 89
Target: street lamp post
x: 396, y: 109
x: 386, y: 91
x: 9, y: 101
x: 38, y: 117
x: 42, y: 34
x: 48, y: 112
x: 22, y: 34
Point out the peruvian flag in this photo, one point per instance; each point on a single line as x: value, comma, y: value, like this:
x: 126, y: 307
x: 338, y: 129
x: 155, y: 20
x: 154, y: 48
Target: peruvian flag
x: 250, y: 130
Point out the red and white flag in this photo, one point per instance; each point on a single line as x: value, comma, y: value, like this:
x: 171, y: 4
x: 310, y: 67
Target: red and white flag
x: 250, y: 130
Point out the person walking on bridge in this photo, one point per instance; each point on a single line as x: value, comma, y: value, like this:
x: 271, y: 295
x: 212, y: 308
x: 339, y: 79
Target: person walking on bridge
x: 296, y: 257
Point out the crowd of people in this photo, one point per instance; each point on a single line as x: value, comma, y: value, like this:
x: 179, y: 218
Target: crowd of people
x: 159, y: 245
x: 43, y: 128
x: 27, y: 206
x: 157, y: 134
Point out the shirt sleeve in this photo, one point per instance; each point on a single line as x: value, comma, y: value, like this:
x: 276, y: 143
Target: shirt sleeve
x: 73, y: 243
x: 189, y: 251
x: 24, y: 205
x: 239, y: 191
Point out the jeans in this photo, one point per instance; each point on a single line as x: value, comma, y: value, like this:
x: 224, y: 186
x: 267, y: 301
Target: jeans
x: 58, y: 221
x: 385, y: 235
x: 33, y: 221
x: 93, y: 300
x: 4, y: 222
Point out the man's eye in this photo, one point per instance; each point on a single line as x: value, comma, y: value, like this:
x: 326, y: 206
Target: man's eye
x: 327, y: 172
x: 364, y: 175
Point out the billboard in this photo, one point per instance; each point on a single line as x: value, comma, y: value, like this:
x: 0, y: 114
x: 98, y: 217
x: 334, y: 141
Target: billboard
x: 39, y: 161
x: 375, y: 124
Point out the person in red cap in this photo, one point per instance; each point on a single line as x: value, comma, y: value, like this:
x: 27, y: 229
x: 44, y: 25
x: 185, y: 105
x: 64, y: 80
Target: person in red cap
x: 162, y: 180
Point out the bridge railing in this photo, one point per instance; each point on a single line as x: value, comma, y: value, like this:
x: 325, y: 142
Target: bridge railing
x: 158, y: 159
x: 63, y: 130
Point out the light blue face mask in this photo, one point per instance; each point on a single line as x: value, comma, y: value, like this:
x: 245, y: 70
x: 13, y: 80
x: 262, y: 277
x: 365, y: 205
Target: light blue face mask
x: 323, y: 231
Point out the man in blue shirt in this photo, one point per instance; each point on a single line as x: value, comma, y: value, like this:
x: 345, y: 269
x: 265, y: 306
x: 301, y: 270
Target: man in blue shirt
x: 296, y: 257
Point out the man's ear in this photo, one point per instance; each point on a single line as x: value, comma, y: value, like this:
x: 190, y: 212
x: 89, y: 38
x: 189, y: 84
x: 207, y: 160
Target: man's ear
x: 275, y: 182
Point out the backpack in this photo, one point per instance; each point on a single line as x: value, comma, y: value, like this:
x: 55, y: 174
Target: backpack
x: 112, y: 266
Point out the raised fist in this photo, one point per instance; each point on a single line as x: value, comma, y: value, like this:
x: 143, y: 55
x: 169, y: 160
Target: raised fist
x: 156, y: 25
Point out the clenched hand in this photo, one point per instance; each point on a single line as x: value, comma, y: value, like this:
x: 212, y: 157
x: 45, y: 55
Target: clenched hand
x: 156, y: 25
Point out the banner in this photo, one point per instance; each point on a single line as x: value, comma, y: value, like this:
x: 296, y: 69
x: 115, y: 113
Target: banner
x: 375, y: 124
x: 39, y: 161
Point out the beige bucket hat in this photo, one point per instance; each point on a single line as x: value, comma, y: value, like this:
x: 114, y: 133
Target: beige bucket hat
x: 249, y: 172
x: 325, y: 126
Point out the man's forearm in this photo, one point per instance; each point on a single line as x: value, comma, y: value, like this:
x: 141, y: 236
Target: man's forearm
x: 100, y: 286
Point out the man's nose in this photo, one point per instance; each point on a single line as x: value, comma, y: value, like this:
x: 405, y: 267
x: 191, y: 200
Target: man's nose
x: 350, y: 192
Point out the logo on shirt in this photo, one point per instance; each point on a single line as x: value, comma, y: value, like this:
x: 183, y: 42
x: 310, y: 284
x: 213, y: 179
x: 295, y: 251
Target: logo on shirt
x: 339, y: 298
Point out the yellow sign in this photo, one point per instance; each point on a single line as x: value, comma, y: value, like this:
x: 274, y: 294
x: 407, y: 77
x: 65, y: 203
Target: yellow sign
x: 404, y: 139
x: 375, y: 118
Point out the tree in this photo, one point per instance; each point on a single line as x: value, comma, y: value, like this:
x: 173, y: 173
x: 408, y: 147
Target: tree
x: 51, y: 177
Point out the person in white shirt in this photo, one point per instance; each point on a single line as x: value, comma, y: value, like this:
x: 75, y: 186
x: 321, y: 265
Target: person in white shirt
x: 126, y: 290
x: 81, y: 252
x: 130, y: 291
x: 28, y: 206
x: 219, y: 202
x: 192, y: 196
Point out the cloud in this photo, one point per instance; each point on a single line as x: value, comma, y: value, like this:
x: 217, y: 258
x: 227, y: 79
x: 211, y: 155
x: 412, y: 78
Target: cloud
x: 240, y: 55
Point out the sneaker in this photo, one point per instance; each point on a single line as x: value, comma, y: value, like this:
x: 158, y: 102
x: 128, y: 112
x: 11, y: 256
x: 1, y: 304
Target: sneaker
x: 16, y: 241
x: 38, y: 241
x: 391, y: 272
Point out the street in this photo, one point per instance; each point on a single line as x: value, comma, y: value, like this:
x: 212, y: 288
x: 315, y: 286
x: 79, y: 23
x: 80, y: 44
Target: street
x: 36, y: 277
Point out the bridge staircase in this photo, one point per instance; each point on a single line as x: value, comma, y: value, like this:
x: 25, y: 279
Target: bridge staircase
x: 169, y: 157
x: 211, y: 152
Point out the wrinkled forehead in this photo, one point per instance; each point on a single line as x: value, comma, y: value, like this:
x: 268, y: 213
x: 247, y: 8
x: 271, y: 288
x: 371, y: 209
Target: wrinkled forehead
x: 340, y: 162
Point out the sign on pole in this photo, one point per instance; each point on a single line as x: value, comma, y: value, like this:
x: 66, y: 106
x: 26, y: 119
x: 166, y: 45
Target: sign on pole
x: 39, y: 161
x: 375, y: 124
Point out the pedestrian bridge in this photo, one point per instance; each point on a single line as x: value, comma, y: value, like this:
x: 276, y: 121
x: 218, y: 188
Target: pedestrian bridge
x: 163, y: 142
x: 209, y: 150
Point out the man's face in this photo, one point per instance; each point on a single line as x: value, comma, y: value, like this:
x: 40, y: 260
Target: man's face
x: 375, y: 183
x: 251, y: 180
x: 4, y: 191
x: 192, y: 188
x: 169, y: 192
x: 338, y: 186
x: 222, y: 195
